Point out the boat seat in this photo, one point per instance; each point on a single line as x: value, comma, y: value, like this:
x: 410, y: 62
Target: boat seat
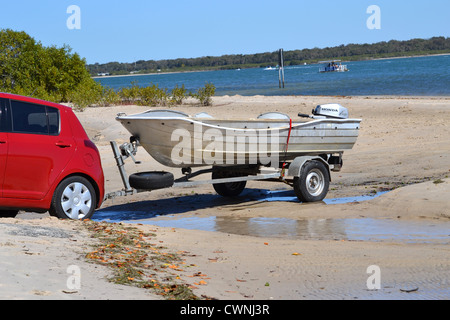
x: 163, y: 114
x: 274, y: 115
x: 203, y: 115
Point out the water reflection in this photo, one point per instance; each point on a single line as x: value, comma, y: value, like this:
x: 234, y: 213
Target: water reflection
x: 259, y: 227
x: 357, y: 229
x: 282, y: 227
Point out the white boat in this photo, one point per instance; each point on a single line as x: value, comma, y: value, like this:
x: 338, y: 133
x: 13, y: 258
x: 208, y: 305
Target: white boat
x: 333, y: 66
x: 176, y: 139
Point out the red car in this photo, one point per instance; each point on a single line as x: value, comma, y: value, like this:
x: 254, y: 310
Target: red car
x: 47, y: 162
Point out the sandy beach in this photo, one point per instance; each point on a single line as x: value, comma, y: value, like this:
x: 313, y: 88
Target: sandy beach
x: 403, y: 148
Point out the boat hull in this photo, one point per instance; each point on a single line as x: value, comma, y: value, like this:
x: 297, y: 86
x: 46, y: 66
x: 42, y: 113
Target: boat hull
x: 189, y: 142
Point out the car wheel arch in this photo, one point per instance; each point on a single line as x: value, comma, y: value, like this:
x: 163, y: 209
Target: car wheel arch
x: 87, y: 177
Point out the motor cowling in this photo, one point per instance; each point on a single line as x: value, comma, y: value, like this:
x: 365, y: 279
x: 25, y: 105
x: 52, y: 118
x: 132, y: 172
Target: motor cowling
x: 331, y: 110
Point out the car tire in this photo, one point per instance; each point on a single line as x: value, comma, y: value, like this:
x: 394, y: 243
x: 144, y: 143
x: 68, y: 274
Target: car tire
x: 152, y: 180
x: 8, y: 213
x: 313, y: 183
x: 74, y: 198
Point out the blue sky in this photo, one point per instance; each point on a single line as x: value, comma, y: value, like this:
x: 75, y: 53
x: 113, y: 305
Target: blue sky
x: 131, y: 30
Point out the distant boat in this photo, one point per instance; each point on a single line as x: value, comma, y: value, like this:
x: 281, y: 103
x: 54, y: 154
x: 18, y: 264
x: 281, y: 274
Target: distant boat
x: 333, y: 66
x: 270, y: 68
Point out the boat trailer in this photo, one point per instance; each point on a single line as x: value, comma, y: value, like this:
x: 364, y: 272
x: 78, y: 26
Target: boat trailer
x: 308, y: 175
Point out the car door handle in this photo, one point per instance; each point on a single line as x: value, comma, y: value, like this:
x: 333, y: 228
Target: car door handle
x: 63, y: 145
x: 2, y: 142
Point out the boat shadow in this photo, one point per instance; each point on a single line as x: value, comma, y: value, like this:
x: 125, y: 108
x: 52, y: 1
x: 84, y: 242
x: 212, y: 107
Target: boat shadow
x: 182, y: 204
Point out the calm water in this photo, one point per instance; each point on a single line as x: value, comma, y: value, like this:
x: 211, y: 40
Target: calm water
x: 420, y: 76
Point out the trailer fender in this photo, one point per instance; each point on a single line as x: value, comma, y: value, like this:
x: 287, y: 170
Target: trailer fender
x: 295, y: 168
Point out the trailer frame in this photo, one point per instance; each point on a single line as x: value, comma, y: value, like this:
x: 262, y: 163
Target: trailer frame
x: 295, y: 170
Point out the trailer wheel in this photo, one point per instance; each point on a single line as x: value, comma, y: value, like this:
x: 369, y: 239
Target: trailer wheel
x: 313, y: 183
x: 151, y: 180
x: 228, y: 189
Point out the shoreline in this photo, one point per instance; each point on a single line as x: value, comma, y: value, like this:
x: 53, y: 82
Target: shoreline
x: 178, y: 72
x: 149, y: 74
x: 401, y: 97
x: 413, y: 56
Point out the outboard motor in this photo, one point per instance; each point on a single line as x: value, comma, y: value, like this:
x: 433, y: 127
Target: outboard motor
x: 331, y: 110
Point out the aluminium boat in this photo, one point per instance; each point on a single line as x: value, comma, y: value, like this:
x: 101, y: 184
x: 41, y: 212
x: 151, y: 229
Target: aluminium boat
x: 176, y: 139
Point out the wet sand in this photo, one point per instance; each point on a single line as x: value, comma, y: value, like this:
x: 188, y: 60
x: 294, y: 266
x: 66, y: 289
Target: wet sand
x: 403, y: 148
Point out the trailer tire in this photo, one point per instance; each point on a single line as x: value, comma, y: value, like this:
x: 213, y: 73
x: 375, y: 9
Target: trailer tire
x: 152, y: 180
x: 228, y: 189
x: 313, y: 183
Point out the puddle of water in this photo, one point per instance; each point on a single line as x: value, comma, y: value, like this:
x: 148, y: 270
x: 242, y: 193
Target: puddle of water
x: 284, y: 195
x: 362, y: 229
x: 166, y: 213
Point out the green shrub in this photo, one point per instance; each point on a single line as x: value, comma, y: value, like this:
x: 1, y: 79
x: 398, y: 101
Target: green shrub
x: 50, y: 73
x: 153, y: 96
x: 178, y: 95
x: 109, y: 97
x: 204, y: 94
x: 85, y: 95
x: 130, y: 95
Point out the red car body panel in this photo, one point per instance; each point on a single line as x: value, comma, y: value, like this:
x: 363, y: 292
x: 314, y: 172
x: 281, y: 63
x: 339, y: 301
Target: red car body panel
x: 32, y: 165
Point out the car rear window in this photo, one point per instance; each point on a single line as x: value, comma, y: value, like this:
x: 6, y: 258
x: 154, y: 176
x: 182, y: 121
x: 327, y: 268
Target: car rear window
x: 53, y: 120
x: 34, y: 118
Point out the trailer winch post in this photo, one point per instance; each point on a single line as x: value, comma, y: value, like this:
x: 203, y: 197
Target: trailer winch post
x: 121, y: 166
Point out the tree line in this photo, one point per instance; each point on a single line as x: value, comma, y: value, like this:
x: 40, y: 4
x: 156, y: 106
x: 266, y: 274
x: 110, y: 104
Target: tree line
x: 57, y: 74
x: 293, y: 57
